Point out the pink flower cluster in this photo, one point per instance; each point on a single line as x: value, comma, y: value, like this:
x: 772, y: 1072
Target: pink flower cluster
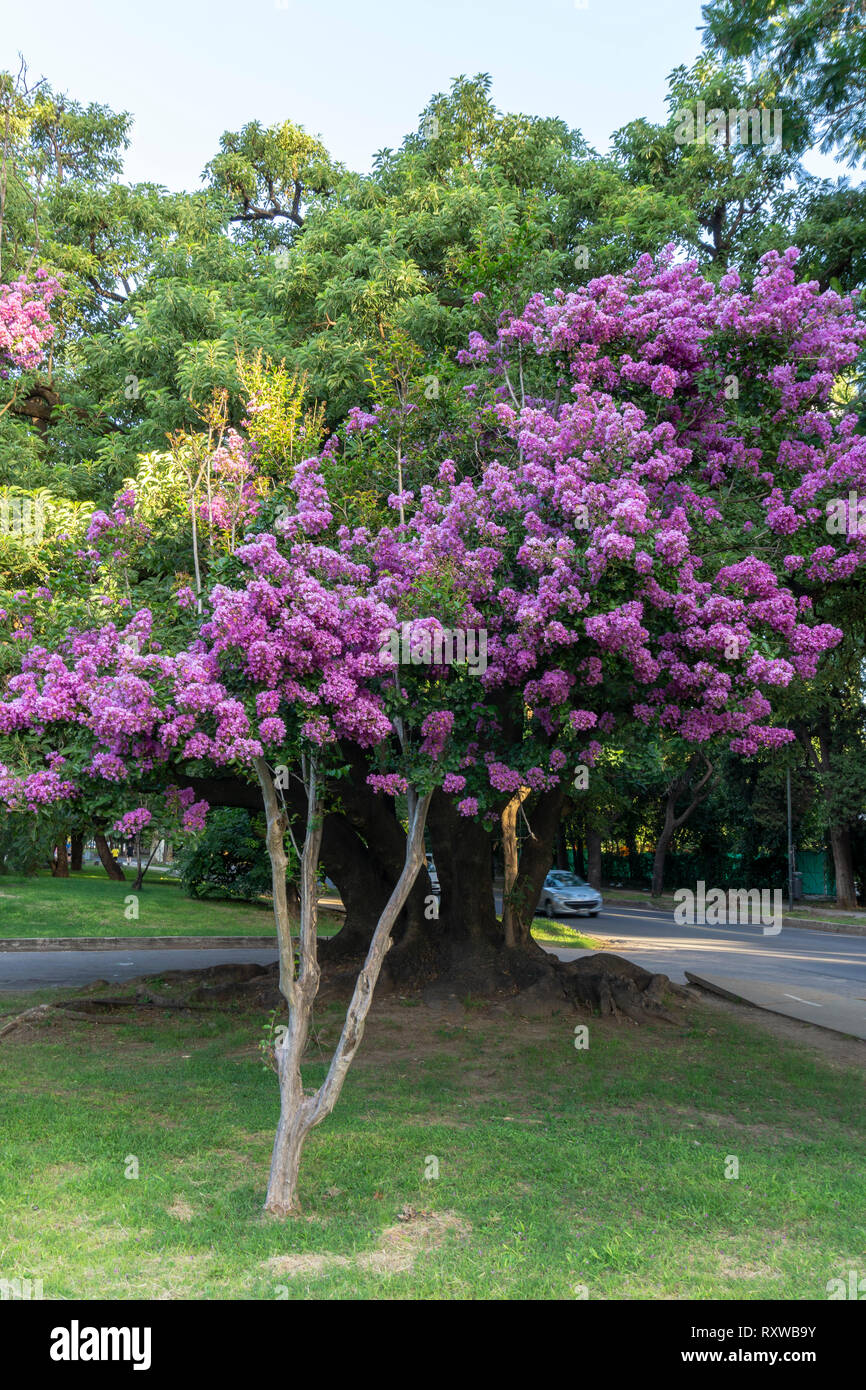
x: 233, y: 502
x: 132, y: 822
x: 25, y: 324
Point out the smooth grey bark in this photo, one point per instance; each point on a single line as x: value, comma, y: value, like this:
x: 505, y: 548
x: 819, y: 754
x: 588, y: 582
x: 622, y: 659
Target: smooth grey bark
x: 300, y: 1112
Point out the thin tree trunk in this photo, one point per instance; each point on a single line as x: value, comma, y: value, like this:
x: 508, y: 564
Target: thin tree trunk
x: 577, y: 852
x: 60, y: 865
x: 633, y: 861
x: 299, y: 1113
x: 77, y: 853
x: 662, y: 847
x: 142, y: 870
x: 840, y: 841
x: 673, y: 822
x: 107, y: 860
x: 593, y: 858
x: 510, y: 863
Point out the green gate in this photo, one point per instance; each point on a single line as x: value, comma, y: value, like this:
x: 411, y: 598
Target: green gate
x: 819, y: 877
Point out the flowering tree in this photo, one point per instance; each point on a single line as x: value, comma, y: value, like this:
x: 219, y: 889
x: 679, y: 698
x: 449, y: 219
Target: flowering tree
x: 622, y: 546
x: 692, y: 432
x: 25, y: 328
x: 25, y: 324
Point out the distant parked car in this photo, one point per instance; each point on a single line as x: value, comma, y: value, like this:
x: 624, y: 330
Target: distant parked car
x: 566, y: 894
x: 434, y: 877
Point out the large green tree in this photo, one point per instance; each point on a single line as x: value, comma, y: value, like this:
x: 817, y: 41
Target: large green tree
x: 817, y: 48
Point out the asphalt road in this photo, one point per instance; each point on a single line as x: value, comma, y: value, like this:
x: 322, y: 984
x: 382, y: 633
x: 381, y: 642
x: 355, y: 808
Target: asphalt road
x: 29, y: 970
x: 823, y: 960
x: 826, y: 960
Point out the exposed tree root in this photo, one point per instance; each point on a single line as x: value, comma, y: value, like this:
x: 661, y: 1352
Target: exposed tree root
x: 522, y: 980
x: 46, y: 1012
x: 618, y: 988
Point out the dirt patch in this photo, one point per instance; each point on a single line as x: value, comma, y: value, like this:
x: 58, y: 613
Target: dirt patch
x: 415, y: 1233
x: 181, y: 1209
x: 760, y: 1131
x: 731, y: 1269
x: 61, y: 1173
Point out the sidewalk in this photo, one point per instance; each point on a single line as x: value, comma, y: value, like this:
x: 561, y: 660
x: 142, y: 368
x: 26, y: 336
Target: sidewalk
x: 839, y: 1012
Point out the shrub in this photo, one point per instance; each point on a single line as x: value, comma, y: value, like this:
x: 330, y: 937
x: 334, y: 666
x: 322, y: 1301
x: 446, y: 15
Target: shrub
x: 228, y: 857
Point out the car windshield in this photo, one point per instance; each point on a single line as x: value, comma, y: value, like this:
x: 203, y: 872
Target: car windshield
x: 564, y: 880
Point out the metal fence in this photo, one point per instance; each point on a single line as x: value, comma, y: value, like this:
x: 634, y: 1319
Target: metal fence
x: 721, y: 871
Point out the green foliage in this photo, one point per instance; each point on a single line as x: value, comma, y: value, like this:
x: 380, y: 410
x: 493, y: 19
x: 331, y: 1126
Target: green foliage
x: 26, y: 842
x: 227, y: 858
x: 817, y: 49
x: 737, y: 194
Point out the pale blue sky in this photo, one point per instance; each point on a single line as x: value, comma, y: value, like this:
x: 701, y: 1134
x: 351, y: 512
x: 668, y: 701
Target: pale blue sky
x: 357, y: 74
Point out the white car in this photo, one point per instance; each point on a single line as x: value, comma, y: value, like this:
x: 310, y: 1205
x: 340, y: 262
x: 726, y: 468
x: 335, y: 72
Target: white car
x: 434, y: 876
x: 566, y: 894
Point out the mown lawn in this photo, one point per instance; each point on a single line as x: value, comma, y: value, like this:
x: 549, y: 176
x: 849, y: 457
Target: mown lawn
x: 554, y: 933
x: 557, y: 1168
x: 90, y: 904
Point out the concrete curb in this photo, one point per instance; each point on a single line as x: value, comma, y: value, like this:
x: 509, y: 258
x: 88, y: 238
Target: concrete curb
x: 138, y: 943
x: 835, y: 1013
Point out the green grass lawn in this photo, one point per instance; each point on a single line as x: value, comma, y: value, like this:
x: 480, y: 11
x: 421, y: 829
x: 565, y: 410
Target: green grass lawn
x: 560, y: 934
x: 89, y: 904
x: 556, y: 1167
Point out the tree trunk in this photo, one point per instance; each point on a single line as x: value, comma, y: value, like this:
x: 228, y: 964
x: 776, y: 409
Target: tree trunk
x: 510, y: 863
x: 673, y: 822
x: 77, y: 853
x: 535, y: 861
x: 60, y: 864
x: 299, y: 1113
x: 107, y: 860
x: 633, y: 861
x: 662, y: 847
x: 292, y: 1130
x: 840, y: 841
x: 143, y: 868
x: 593, y: 858
x: 363, y: 849
x: 577, y: 852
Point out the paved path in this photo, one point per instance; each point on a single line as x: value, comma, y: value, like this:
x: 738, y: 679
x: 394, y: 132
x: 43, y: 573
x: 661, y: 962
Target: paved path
x: 840, y: 1012
x: 830, y: 961
x: 808, y: 974
x: 29, y: 970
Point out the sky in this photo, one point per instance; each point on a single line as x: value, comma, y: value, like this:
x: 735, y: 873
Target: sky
x: 355, y: 74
